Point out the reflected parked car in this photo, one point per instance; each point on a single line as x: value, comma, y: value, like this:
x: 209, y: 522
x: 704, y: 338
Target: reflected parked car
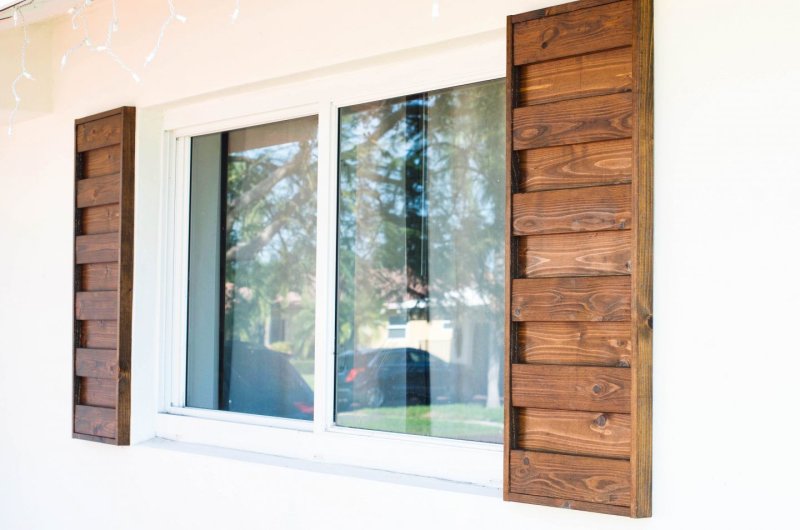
x: 263, y: 381
x: 394, y: 377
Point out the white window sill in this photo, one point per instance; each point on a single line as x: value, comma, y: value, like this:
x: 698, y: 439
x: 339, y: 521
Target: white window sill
x: 351, y: 452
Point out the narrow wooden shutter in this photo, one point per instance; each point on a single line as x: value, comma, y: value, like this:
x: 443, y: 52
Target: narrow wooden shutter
x: 579, y: 288
x: 103, y: 277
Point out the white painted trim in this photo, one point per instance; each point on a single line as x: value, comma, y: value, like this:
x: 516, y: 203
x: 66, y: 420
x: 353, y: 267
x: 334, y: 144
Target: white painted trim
x: 321, y: 440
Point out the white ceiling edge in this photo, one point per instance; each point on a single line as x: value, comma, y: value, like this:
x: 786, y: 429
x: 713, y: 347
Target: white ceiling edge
x: 36, y: 11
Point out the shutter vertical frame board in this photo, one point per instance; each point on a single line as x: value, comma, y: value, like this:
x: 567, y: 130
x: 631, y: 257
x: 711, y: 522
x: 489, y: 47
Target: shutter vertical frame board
x: 579, y: 231
x: 103, y: 276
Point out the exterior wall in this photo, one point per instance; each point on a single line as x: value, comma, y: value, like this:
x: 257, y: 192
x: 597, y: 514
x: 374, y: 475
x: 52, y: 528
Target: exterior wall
x: 726, y: 283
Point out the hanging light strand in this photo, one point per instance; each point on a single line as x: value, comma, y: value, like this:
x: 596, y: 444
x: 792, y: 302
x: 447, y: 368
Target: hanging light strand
x: 235, y: 14
x: 173, y: 15
x: 24, y: 74
x: 78, y: 22
x: 113, y: 27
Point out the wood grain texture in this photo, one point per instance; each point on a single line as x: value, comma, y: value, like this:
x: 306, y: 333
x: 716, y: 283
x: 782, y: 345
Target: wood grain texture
x: 102, y: 162
x: 573, y: 33
x: 99, y: 334
x: 576, y: 166
x: 596, y: 74
x: 568, y: 504
x: 99, y: 219
x: 97, y: 392
x: 96, y: 363
x: 571, y: 299
x: 597, y: 480
x: 575, y: 343
x: 99, y: 277
x: 97, y: 191
x: 96, y: 305
x: 580, y: 254
x: 575, y: 432
x: 583, y: 388
x: 97, y: 248
x: 575, y: 210
x: 98, y: 133
x: 642, y: 319
x: 573, y: 121
x: 96, y: 421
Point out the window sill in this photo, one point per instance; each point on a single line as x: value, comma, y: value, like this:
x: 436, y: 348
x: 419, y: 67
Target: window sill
x: 434, y: 462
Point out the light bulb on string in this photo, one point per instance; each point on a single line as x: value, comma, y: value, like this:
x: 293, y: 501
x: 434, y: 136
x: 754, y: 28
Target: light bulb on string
x: 19, y: 17
x: 173, y: 15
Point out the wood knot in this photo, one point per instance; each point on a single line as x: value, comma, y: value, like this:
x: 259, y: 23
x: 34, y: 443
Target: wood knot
x: 544, y: 45
x: 526, y: 461
x: 597, y: 389
x: 650, y: 322
x: 600, y: 421
x: 517, y: 312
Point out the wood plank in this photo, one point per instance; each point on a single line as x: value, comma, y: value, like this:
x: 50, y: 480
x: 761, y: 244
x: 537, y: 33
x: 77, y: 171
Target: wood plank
x: 642, y: 319
x: 98, y: 133
x: 96, y: 305
x: 99, y: 219
x: 97, y: 392
x: 97, y: 191
x: 99, y: 334
x: 101, y: 162
x: 573, y: 121
x: 99, y: 277
x: 575, y: 343
x: 576, y: 166
x: 571, y: 299
x: 597, y: 480
x: 574, y: 210
x: 579, y: 254
x: 573, y: 33
x: 575, y: 432
x: 97, y: 248
x: 595, y: 74
x: 101, y: 364
x: 96, y: 421
x: 584, y: 388
x: 567, y: 504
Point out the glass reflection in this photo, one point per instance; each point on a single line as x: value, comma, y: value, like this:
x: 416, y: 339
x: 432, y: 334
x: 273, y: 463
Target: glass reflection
x: 420, y: 264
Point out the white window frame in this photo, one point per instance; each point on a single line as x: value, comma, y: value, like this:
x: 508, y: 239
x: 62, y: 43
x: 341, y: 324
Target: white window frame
x: 469, y: 60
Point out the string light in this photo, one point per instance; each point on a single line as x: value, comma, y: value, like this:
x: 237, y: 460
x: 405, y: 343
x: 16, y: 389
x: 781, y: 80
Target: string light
x: 173, y: 15
x: 435, y: 9
x: 235, y: 14
x: 113, y: 27
x: 24, y: 74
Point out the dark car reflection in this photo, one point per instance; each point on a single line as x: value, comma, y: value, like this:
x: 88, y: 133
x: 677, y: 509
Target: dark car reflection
x: 263, y: 381
x: 393, y: 377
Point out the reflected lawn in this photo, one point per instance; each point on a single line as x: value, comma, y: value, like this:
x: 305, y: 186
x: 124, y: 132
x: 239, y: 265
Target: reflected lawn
x: 463, y: 421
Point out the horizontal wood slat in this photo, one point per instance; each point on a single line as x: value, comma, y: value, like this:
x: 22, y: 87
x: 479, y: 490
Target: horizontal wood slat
x: 99, y: 277
x: 573, y: 33
x: 99, y: 219
x: 576, y: 166
x: 96, y: 421
x: 584, y: 388
x: 579, y: 254
x: 567, y: 504
x: 597, y: 74
x: 575, y: 210
x: 101, y: 162
x: 573, y: 121
x: 597, y: 480
x: 574, y: 432
x: 96, y: 305
x: 97, y: 392
x: 98, y: 133
x: 97, y: 248
x: 100, y: 334
x: 98, y: 191
x: 572, y: 299
x: 101, y: 364
x: 576, y: 343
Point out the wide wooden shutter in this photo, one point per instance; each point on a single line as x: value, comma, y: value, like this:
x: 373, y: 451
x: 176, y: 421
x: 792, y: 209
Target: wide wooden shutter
x: 104, y: 172
x: 579, y: 288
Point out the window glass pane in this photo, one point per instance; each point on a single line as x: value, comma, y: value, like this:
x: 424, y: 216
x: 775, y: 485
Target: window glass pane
x: 421, y: 264
x: 252, y: 254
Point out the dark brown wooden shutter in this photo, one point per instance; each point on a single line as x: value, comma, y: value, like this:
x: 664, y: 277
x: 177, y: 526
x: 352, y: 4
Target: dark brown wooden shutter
x: 579, y: 254
x: 104, y: 173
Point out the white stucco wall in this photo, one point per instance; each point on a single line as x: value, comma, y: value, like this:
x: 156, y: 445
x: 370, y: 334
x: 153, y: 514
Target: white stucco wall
x: 726, y: 280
